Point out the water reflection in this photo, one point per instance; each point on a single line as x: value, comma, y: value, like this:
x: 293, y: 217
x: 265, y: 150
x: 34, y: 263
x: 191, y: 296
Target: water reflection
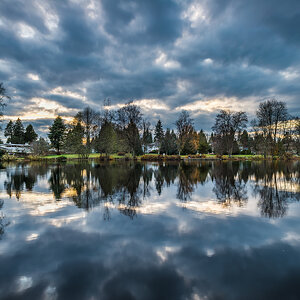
x: 3, y: 221
x: 61, y: 247
x: 125, y: 185
x: 276, y: 184
x: 230, y: 183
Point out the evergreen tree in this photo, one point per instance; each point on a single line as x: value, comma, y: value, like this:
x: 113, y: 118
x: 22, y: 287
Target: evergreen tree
x: 8, y: 132
x: 158, y: 135
x: 30, y: 135
x: 18, y: 136
x: 107, y: 139
x: 129, y: 120
x: 169, y: 144
x: 147, y: 135
x: 189, y: 147
x: 133, y: 139
x: 203, y: 144
x: 57, y: 133
x: 74, y: 138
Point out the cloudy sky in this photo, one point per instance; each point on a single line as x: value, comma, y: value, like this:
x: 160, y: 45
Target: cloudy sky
x: 57, y: 57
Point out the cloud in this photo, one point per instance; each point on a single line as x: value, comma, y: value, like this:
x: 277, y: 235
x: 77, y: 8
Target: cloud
x: 78, y: 53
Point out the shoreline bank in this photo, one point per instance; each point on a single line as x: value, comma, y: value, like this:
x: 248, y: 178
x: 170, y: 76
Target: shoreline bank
x: 145, y: 157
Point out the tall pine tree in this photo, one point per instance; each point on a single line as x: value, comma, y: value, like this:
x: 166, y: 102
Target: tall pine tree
x: 57, y: 133
x: 18, y: 136
x: 203, y: 144
x: 169, y: 144
x: 74, y: 137
x: 158, y: 135
x: 30, y: 135
x: 106, y: 142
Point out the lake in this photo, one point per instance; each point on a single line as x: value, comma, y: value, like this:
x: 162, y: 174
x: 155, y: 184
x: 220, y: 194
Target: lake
x: 124, y: 230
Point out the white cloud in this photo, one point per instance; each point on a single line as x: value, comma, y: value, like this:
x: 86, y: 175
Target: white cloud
x: 33, y: 76
x: 25, y: 31
x: 163, y: 61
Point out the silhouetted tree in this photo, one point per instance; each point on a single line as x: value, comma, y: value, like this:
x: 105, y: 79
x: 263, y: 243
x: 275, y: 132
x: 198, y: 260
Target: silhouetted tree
x: 158, y: 135
x: 169, y: 144
x: 30, y: 135
x: 73, y: 142
x: 90, y: 121
x: 203, y: 144
x: 18, y: 136
x: 106, y: 142
x: 227, y: 124
x: 57, y: 133
x: 185, y: 130
x: 129, y: 121
x: 268, y: 116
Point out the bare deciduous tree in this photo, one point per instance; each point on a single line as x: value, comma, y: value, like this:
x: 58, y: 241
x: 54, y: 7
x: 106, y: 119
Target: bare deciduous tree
x: 226, y: 126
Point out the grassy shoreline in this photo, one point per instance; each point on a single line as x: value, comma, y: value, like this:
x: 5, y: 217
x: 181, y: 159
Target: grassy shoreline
x: 145, y: 157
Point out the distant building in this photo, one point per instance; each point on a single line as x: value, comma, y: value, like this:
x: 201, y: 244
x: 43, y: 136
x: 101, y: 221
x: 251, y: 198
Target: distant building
x: 16, y: 148
x: 151, y: 147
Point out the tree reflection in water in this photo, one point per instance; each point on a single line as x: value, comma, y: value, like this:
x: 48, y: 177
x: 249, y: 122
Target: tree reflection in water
x: 276, y: 184
x: 20, y: 177
x: 230, y: 185
x: 189, y: 176
x: 125, y: 184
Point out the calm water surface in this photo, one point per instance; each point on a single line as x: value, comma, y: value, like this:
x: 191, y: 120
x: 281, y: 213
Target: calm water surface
x: 199, y: 230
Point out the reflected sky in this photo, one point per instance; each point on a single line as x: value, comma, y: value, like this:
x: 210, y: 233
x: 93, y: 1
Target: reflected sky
x: 199, y: 230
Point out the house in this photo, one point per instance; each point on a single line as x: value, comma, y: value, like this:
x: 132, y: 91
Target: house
x: 16, y: 148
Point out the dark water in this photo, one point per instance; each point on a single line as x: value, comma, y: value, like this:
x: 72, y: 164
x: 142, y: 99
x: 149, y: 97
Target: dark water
x: 201, y: 230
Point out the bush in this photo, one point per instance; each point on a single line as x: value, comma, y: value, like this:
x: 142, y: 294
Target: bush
x: 8, y: 157
x: 150, y: 157
x: 246, y: 152
x: 153, y: 152
x: 121, y: 153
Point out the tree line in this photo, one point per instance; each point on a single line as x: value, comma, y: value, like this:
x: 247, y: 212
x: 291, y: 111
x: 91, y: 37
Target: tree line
x: 273, y: 132
x: 125, y: 130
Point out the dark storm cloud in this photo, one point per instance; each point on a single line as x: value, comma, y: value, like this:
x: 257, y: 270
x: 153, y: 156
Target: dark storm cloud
x: 133, y: 50
x: 154, y: 21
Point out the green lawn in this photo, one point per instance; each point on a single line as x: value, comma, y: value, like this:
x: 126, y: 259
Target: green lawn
x: 116, y: 156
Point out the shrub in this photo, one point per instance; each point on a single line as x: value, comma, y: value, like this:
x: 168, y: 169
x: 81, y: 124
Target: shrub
x: 153, y: 152
x: 121, y: 153
x: 150, y: 157
x: 8, y: 157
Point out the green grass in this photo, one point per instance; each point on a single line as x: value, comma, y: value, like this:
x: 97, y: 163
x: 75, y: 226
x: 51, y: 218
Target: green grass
x: 116, y: 156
